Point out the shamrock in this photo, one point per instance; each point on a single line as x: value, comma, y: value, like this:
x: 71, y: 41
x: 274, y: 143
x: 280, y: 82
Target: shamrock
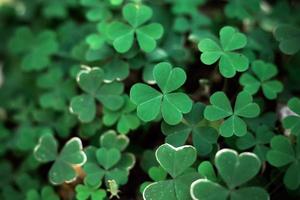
x: 108, y: 161
x: 292, y: 122
x: 125, y: 118
x: 123, y: 34
x: 84, y: 192
x: 230, y: 62
x: 242, y: 9
x: 263, y: 74
x: 259, y: 140
x: 235, y: 170
x: 175, y: 161
x: 69, y: 157
x: 150, y: 103
x: 221, y: 108
x: 47, y: 193
x: 90, y: 81
x: 288, y: 37
x: 37, y: 49
x: 96, y: 10
x: 283, y: 153
x: 204, y: 137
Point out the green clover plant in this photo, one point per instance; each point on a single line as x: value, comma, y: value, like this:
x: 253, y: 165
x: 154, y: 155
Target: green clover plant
x: 230, y: 61
x: 150, y: 102
x: 47, y: 193
x: 292, y: 122
x: 85, y: 192
x: 123, y: 34
x: 288, y: 37
x: 233, y: 123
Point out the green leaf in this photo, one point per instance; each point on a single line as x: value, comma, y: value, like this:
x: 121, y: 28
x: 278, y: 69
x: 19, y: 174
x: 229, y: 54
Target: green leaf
x: 288, y: 37
x: 85, y: 192
x: 208, y: 190
x: 71, y: 155
x: 292, y: 122
x: 108, y: 157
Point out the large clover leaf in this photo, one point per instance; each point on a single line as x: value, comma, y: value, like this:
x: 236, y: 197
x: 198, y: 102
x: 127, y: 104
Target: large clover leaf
x: 36, y: 49
x: 262, y: 78
x: 108, y: 161
x: 123, y: 34
x: 223, y: 50
x: 289, y: 38
x: 292, y: 122
x: 221, y: 108
x: 204, y: 136
x: 283, y: 153
x: 175, y: 161
x: 150, y: 103
x: 91, y: 81
x: 70, y: 156
x: 235, y: 170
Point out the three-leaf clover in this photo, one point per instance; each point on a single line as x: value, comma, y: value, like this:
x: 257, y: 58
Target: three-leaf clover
x: 177, y: 162
x: 292, y: 122
x: 223, y: 50
x: 125, y: 118
x: 221, y: 108
x: 108, y: 161
x: 123, y: 34
x: 150, y: 103
x: 262, y: 78
x: 203, y: 136
x: 257, y: 140
x: 288, y: 37
x: 91, y: 81
x: 235, y: 170
x: 283, y: 153
x: 71, y: 155
x: 37, y: 49
x: 85, y: 192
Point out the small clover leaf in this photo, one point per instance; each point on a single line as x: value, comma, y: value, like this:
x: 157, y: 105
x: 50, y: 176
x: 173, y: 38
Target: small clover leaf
x: 264, y: 72
x: 91, y: 82
x: 230, y: 61
x: 108, y: 161
x: 203, y: 136
x: 257, y: 140
x: 47, y: 193
x: 123, y: 34
x: 221, y: 108
x: 235, y: 169
x: 288, y: 37
x: 70, y: 156
x: 176, y: 161
x: 37, y: 49
x: 96, y: 10
x: 125, y: 118
x: 292, y: 122
x: 242, y: 9
x: 150, y: 103
x: 85, y: 192
x: 283, y: 153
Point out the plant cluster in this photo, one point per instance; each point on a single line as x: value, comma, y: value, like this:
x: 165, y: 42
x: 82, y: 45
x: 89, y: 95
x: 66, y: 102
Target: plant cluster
x: 149, y: 99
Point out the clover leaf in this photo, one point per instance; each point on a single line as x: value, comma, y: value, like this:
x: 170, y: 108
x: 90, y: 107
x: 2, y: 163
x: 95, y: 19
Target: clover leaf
x: 283, y: 153
x: 288, y: 37
x: 125, y: 118
x: 235, y: 170
x: 35, y: 49
x: 221, y: 108
x: 123, y: 34
x: 71, y: 155
x: 175, y: 161
x: 96, y: 10
x: 108, y: 161
x: 230, y: 62
x: 262, y: 78
x: 203, y: 136
x: 150, y: 103
x: 91, y: 82
x: 85, y: 192
x: 258, y: 140
x: 47, y: 193
x: 292, y: 122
